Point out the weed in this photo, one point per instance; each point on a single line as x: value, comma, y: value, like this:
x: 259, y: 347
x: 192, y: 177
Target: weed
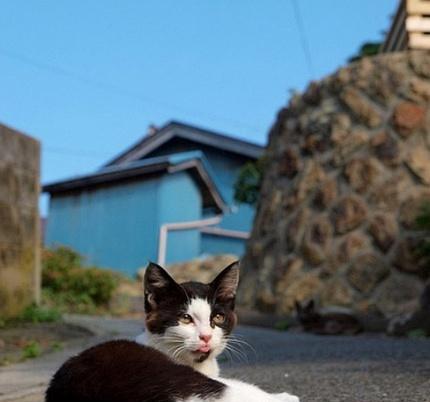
x: 31, y: 350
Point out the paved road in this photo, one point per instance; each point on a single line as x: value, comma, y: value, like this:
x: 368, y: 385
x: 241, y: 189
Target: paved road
x: 366, y: 368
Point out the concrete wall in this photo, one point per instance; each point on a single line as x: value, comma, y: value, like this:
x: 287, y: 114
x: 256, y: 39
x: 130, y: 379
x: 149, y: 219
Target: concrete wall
x: 19, y: 221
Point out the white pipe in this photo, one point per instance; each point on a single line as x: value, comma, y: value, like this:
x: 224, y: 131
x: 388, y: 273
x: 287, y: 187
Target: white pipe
x: 234, y: 234
x: 164, y: 229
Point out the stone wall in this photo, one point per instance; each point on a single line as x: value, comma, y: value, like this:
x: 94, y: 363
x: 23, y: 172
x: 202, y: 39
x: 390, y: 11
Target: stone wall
x: 348, y: 170
x: 19, y: 221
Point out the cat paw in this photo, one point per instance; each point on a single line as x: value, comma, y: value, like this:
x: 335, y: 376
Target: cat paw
x: 286, y: 397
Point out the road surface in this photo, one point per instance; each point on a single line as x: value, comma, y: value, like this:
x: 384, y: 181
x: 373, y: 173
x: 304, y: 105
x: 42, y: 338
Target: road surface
x: 365, y: 368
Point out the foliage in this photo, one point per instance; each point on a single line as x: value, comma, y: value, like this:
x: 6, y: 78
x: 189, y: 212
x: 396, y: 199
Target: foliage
x: 36, y: 314
x: 417, y: 333
x: 248, y: 182
x: 283, y: 325
x: 423, y: 223
x: 31, y: 350
x: 366, y: 50
x: 71, y: 285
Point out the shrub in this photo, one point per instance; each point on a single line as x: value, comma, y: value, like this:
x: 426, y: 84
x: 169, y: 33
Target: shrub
x: 248, y: 182
x: 31, y: 350
x: 423, y: 224
x: 36, y: 314
x: 67, y: 282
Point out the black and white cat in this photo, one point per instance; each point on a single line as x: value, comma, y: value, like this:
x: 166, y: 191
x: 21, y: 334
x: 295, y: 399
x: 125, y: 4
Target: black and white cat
x: 188, y: 326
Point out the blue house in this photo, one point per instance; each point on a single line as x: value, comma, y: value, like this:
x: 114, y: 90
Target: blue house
x: 167, y: 198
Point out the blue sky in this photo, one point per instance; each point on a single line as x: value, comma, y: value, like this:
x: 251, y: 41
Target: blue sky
x: 87, y: 77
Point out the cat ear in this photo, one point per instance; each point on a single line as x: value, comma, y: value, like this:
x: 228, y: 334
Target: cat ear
x: 310, y: 305
x: 156, y: 283
x: 225, y: 284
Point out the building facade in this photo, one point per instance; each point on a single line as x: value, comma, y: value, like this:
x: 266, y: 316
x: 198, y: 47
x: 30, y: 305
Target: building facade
x: 168, y: 198
x: 410, y: 28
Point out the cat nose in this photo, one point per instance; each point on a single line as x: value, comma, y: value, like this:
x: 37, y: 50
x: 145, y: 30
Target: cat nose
x: 205, y: 338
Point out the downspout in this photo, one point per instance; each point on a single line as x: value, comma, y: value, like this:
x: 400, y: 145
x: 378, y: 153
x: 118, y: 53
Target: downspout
x: 164, y: 229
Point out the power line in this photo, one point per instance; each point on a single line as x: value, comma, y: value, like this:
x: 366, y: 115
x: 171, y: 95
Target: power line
x: 76, y: 152
x: 106, y: 86
x: 303, y: 37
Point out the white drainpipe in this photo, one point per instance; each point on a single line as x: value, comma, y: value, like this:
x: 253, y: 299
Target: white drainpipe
x: 164, y: 229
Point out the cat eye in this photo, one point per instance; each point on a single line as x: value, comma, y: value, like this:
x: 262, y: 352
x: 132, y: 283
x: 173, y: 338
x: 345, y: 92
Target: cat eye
x: 185, y: 319
x: 218, y: 319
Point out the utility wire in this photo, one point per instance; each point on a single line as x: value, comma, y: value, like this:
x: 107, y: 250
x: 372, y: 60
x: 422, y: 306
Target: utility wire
x: 106, y: 86
x: 303, y: 38
x: 76, y: 152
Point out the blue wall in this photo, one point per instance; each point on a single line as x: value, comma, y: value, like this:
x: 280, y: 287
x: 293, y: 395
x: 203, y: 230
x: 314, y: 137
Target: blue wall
x: 213, y: 244
x: 118, y: 226
x: 179, y: 200
x: 225, y: 168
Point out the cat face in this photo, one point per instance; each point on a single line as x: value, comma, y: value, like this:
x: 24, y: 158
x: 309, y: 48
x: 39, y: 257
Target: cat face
x: 190, y: 321
x: 307, y: 314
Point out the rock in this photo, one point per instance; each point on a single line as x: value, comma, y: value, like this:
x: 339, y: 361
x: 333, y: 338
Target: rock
x: 383, y: 229
x: 420, y: 63
x: 408, y: 117
x: 388, y: 195
x: 290, y: 163
x: 317, y: 240
x: 296, y: 228
x: 386, y: 148
x: 291, y: 270
x: 361, y: 173
x: 201, y: 270
x: 304, y: 288
x: 361, y: 107
x: 418, y: 161
x: 398, y: 293
x: 336, y: 293
x: 315, y: 144
x: 325, y: 194
x: 346, y: 145
x: 418, y: 90
x: 348, y: 214
x: 366, y: 272
x: 311, y: 177
x: 350, y: 246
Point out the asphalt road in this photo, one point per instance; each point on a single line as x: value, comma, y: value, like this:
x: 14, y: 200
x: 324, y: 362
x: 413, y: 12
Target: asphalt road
x: 364, y: 368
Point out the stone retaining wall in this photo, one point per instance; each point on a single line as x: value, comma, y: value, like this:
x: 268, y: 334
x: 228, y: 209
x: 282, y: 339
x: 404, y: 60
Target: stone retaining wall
x: 348, y: 170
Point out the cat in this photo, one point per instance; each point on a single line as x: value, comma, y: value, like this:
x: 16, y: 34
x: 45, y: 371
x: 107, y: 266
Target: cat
x: 188, y: 326
x: 334, y: 323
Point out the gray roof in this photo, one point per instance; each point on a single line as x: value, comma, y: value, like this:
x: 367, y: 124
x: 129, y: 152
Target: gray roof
x: 194, y: 162
x: 176, y: 129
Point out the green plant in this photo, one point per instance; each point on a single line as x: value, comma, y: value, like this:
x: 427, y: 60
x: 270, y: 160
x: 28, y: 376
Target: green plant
x: 423, y: 223
x: 248, y: 182
x: 31, y: 350
x: 68, y: 283
x: 57, y: 346
x: 367, y: 49
x: 283, y: 325
x: 417, y: 333
x: 38, y: 314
